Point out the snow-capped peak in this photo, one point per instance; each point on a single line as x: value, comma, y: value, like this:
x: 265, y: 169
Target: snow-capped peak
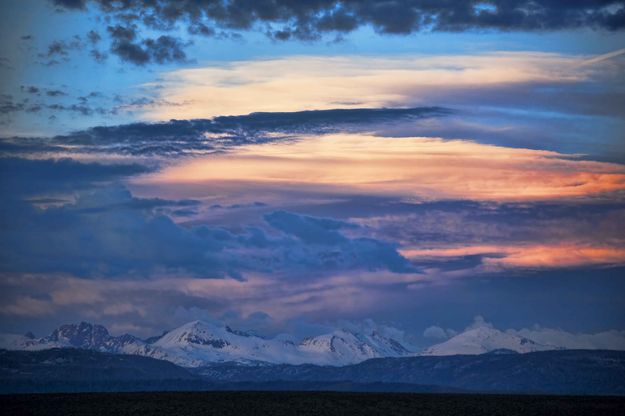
x: 83, y: 335
x: 483, y: 339
x: 197, y: 333
x: 200, y: 343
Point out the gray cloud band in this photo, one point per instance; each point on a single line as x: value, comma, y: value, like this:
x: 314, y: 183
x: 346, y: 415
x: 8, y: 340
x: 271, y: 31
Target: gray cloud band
x: 310, y: 20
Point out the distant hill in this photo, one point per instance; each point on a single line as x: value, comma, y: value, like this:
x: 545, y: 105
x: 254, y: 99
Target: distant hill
x: 69, y: 369
x: 553, y: 372
x: 549, y: 372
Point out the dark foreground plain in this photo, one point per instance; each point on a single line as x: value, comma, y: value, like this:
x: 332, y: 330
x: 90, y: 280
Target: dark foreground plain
x: 306, y: 403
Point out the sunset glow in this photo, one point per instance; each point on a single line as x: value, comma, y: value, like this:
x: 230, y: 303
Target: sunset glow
x: 228, y: 188
x: 410, y: 167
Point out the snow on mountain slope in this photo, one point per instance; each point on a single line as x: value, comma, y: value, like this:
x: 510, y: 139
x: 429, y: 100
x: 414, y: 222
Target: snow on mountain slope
x: 483, y: 339
x: 198, y: 343
x: 83, y: 335
x: 348, y: 347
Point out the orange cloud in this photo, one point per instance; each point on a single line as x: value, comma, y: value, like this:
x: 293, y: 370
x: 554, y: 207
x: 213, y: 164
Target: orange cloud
x: 528, y: 256
x: 413, y: 167
x: 323, y: 82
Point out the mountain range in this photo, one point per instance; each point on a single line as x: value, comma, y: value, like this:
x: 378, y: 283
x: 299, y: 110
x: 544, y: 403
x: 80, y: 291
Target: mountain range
x: 198, y: 344
x: 208, y: 356
x: 484, y: 339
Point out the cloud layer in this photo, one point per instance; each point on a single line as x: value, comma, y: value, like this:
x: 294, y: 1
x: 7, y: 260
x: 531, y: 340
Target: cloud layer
x: 311, y: 20
x: 361, y: 81
x: 426, y: 168
x: 206, y: 136
x: 107, y: 232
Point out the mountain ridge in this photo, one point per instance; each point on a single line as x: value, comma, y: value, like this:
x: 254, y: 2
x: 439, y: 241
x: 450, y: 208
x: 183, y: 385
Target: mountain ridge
x: 198, y: 343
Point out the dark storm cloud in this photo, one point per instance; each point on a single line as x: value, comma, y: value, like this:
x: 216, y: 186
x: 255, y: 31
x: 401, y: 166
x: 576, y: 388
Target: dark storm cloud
x: 179, y: 137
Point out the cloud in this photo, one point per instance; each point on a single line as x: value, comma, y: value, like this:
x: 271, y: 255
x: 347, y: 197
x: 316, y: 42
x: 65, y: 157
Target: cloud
x: 605, y: 340
x: 479, y: 322
x: 94, y: 103
x: 94, y: 37
x: 129, y: 48
x: 488, y: 79
x: 31, y: 89
x: 322, y: 245
x: 102, y: 234
x: 58, y: 51
x: 162, y: 302
x: 55, y: 93
x: 603, y: 57
x: 449, y: 229
x: 308, y: 229
x: 283, y: 20
x: 185, y: 137
x: 53, y: 224
x: 26, y: 306
x: 53, y: 175
x: 408, y: 167
x: 529, y: 256
x: 438, y: 333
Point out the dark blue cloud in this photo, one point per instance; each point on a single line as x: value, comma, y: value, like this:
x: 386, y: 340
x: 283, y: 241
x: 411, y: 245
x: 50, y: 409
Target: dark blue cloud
x: 59, y: 51
x: 108, y: 232
x: 102, y: 235
x: 309, y: 229
x: 21, y: 177
x: 320, y: 243
x: 181, y: 137
x: 129, y: 48
x: 311, y: 20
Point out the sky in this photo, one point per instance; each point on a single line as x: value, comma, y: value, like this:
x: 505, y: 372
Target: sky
x: 291, y: 166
